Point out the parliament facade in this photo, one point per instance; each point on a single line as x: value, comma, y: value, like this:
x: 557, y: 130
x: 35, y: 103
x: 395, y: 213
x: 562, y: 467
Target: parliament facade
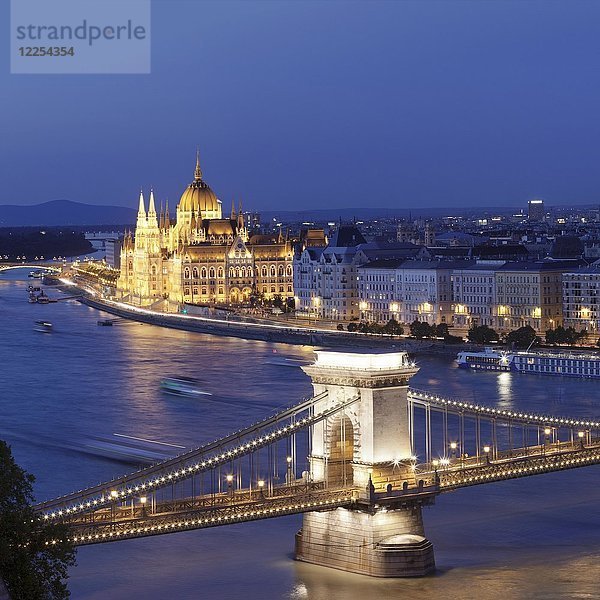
x: 201, y: 257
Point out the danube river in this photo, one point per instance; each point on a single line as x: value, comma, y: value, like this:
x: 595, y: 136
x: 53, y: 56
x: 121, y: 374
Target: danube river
x: 532, y: 538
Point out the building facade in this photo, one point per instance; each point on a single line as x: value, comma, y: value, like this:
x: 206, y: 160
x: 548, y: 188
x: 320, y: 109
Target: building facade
x: 474, y: 293
x: 580, y: 296
x: 201, y: 257
x: 529, y: 294
x: 406, y: 290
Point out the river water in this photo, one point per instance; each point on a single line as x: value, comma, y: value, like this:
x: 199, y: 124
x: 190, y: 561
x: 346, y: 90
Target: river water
x: 533, y: 538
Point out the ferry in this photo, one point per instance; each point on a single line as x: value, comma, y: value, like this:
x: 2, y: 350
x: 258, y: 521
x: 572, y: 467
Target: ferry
x: 566, y: 364
x: 182, y: 386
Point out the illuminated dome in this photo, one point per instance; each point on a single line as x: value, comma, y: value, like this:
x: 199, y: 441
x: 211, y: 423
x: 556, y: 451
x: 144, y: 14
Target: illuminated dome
x: 198, y: 195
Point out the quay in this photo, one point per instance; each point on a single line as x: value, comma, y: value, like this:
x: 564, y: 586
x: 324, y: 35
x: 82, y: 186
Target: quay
x: 266, y: 332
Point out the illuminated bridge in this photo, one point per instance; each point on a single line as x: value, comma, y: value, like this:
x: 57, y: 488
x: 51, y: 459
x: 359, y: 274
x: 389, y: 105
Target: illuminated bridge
x: 49, y: 266
x: 359, y: 458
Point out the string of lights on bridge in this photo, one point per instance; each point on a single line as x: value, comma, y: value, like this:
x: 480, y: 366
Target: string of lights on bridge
x: 198, y: 467
x: 495, y: 412
x: 249, y: 515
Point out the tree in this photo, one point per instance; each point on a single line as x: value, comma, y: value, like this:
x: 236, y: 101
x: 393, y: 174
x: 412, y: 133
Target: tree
x: 441, y: 330
x: 32, y: 566
x: 522, y: 337
x: 352, y: 326
x: 392, y: 327
x: 340, y: 327
x: 560, y: 335
x: 482, y: 334
x: 421, y: 329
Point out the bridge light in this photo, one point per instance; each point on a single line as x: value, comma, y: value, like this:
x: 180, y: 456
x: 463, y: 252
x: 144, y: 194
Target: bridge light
x: 580, y: 434
x: 453, y: 445
x: 143, y: 499
x: 229, y: 478
x: 486, y: 449
x: 114, y: 493
x: 547, y: 431
x: 261, y: 483
x: 289, y: 460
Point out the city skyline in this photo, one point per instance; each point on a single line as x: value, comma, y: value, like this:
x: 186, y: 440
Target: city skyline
x: 397, y: 106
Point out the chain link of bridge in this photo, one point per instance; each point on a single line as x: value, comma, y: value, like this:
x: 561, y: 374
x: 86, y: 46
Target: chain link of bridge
x: 359, y: 459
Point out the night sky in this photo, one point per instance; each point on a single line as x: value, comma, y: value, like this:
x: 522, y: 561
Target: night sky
x: 323, y: 104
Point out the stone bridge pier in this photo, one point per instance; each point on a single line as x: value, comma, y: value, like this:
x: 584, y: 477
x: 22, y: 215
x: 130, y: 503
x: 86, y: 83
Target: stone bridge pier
x: 367, y: 446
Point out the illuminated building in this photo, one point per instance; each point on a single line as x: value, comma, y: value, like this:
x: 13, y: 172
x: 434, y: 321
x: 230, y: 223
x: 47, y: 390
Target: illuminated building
x: 535, y: 210
x: 581, y: 297
x: 201, y: 257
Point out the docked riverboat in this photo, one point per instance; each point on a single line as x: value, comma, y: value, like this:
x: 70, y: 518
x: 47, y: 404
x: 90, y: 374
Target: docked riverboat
x: 566, y: 364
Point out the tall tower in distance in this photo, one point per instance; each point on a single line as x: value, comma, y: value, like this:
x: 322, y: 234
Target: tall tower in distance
x: 536, y: 211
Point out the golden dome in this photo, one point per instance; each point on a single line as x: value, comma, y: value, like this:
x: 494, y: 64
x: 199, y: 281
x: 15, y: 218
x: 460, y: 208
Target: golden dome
x: 199, y: 195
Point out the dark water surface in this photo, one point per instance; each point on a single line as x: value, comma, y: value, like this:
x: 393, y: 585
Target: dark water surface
x: 532, y: 538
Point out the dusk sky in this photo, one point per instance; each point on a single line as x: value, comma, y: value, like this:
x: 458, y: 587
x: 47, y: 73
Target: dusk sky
x: 300, y: 105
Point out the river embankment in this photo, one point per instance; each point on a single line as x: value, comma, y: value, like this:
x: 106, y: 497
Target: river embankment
x: 269, y: 332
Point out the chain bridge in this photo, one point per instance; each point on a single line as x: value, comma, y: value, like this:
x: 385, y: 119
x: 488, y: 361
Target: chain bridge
x: 359, y: 458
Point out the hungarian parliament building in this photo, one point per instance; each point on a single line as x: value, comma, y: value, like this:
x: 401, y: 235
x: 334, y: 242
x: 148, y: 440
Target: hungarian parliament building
x: 201, y: 257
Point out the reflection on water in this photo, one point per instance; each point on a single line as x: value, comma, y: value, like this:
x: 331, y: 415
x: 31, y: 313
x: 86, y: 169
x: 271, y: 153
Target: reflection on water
x: 532, y: 538
x: 505, y: 393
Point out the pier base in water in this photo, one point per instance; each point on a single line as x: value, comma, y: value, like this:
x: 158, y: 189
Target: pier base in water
x: 379, y: 542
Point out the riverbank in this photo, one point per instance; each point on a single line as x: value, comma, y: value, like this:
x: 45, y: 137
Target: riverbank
x: 269, y: 332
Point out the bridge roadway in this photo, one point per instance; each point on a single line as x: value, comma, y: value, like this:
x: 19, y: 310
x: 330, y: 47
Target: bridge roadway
x: 123, y: 520
x: 36, y: 266
x: 130, y: 507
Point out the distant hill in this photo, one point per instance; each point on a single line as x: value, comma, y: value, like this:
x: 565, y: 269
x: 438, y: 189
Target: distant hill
x: 64, y: 212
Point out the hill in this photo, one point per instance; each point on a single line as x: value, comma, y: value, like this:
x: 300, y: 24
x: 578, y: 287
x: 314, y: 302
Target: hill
x: 64, y: 212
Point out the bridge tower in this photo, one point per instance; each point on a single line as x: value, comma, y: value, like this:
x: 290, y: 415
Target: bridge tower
x: 366, y: 447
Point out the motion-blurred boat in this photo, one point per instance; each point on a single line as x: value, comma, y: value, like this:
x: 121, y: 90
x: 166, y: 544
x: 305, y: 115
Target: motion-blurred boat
x: 128, y: 449
x: 43, y: 326
x: 183, y: 386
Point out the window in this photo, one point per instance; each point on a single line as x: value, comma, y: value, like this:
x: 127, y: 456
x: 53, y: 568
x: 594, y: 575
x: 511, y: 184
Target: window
x: 211, y: 273
x: 195, y: 272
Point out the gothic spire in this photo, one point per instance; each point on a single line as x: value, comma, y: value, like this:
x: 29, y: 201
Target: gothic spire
x: 152, y: 210
x: 167, y: 217
x: 141, y: 216
x: 142, y: 207
x: 233, y: 215
x: 198, y: 171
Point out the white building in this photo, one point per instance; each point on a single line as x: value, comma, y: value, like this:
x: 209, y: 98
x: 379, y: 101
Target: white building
x: 474, y: 291
x: 406, y: 290
x: 326, y: 280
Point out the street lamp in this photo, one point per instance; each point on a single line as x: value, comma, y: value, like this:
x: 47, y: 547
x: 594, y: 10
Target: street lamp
x: 580, y: 435
x: 288, y: 476
x: 486, y: 449
x: 143, y: 501
x: 261, y: 487
x: 453, y: 447
x: 229, y: 479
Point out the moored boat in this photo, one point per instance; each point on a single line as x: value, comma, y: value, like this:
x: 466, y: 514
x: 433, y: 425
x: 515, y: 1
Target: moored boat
x: 566, y: 364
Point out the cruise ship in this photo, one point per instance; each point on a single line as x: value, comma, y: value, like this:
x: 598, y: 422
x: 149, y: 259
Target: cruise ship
x: 566, y: 364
